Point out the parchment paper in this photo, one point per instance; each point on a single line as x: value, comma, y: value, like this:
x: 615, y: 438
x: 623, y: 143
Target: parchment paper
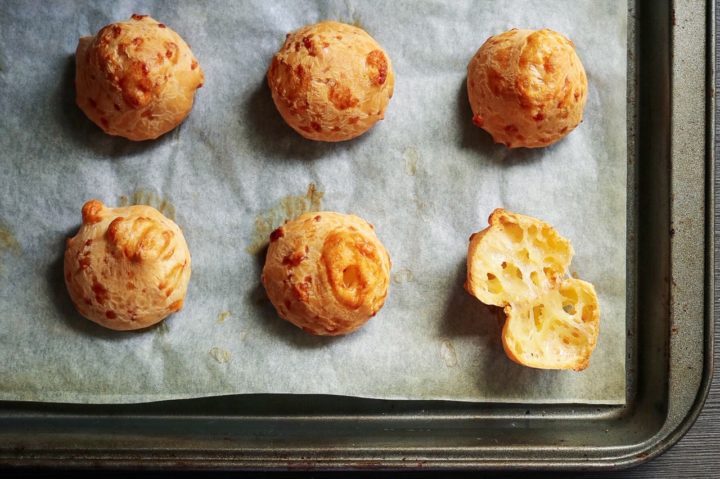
x: 425, y: 176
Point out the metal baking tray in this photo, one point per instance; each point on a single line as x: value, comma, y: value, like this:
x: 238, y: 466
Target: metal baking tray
x: 669, y: 333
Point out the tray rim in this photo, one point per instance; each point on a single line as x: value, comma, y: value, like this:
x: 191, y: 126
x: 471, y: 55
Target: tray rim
x: 710, y: 267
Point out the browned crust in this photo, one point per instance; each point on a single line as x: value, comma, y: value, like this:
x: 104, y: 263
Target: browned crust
x: 527, y: 88
x: 330, y: 81
x: 328, y: 273
x: 127, y: 268
x: 136, y: 79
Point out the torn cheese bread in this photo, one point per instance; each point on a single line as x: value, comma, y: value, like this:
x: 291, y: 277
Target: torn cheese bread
x: 520, y: 263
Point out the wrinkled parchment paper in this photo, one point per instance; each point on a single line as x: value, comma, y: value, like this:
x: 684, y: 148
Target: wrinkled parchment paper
x: 425, y: 176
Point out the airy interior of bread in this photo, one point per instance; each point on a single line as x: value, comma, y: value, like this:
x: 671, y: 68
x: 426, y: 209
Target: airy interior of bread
x: 516, y: 259
x: 520, y: 263
x: 558, y: 331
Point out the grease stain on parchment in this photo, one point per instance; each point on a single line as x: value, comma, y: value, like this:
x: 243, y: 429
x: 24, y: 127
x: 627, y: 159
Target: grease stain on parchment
x: 403, y: 276
x: 8, y: 242
x: 142, y: 196
x: 162, y: 329
x: 288, y: 208
x: 448, y: 354
x: 223, y: 316
x: 412, y: 157
x: 220, y: 355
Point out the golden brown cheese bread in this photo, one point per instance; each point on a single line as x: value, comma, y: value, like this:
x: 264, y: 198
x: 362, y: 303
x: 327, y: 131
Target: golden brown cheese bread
x: 136, y: 79
x: 126, y: 268
x: 326, y: 272
x: 331, y: 81
x: 520, y: 263
x: 527, y: 88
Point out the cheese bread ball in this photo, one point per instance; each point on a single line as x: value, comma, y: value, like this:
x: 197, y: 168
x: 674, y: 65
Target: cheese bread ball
x: 326, y: 272
x: 331, y: 81
x: 136, y: 79
x: 527, y: 88
x: 520, y: 264
x: 126, y: 268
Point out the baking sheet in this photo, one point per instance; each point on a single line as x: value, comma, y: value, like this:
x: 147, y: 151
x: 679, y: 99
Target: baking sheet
x: 425, y: 176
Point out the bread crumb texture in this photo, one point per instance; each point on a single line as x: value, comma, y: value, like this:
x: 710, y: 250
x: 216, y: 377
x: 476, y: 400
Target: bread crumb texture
x: 520, y: 263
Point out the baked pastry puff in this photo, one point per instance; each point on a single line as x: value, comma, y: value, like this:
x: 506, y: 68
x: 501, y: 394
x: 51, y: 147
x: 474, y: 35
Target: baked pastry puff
x: 136, y: 79
x: 331, y: 81
x: 126, y: 268
x: 527, y: 88
x: 519, y: 263
x: 326, y: 272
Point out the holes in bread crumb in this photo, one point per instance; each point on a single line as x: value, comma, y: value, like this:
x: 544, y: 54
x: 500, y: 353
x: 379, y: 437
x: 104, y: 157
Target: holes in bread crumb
x: 494, y: 285
x: 569, y: 308
x: 587, y: 313
x: 524, y: 254
x: 534, y: 278
x: 547, y: 231
x: 537, y: 312
x: 569, y: 293
x: 540, y: 244
x: 514, y: 231
x: 555, y: 245
x: 549, y: 273
x: 512, y: 270
x: 504, y: 265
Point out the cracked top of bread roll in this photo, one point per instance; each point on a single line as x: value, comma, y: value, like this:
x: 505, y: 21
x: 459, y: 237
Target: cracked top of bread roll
x: 326, y: 272
x: 126, y: 268
x: 331, y: 81
x: 136, y: 79
x: 520, y: 264
x: 527, y: 88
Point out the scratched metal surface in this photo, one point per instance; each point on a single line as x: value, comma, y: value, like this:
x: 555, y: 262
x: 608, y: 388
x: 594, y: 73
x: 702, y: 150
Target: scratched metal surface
x: 697, y: 454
